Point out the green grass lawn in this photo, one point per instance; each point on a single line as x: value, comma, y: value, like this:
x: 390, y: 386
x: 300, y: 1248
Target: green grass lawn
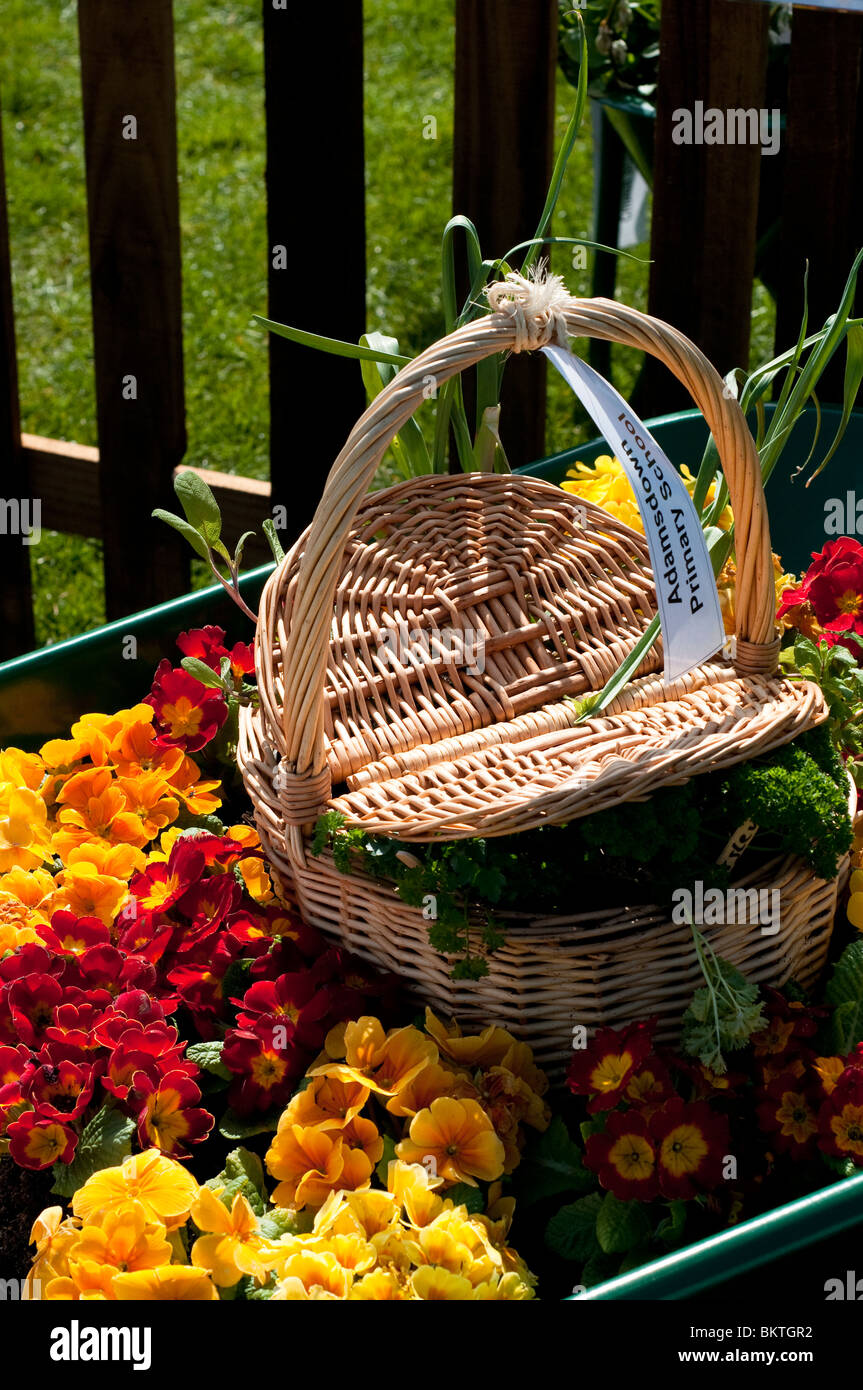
x: 409, y: 66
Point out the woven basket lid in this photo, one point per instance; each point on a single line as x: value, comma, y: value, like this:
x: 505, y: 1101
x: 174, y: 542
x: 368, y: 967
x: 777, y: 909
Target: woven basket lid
x: 421, y: 651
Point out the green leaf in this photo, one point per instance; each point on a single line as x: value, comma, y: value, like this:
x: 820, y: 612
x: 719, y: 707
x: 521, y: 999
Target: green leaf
x: 269, y: 530
x: 724, y: 1014
x: 552, y: 1164
x: 234, y: 1127
x: 377, y: 374
x: 208, y: 1056
x: 202, y: 672
x: 199, y: 504
x: 408, y: 446
x: 571, y: 1232
x: 240, y: 547
x: 488, y: 451
x: 195, y: 539
x: 383, y: 1167
x: 620, y: 1225
x: 336, y: 346
x: 842, y: 1167
x: 244, y: 1173
x: 598, y: 1269
x: 105, y: 1141
x: 278, y: 1222
x: 463, y: 1195
x: 853, y: 378
x: 612, y: 688
x: 567, y: 145
x: 458, y: 223
x: 845, y: 993
x: 672, y: 1227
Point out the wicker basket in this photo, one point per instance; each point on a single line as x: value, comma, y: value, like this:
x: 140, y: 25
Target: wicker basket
x: 439, y: 749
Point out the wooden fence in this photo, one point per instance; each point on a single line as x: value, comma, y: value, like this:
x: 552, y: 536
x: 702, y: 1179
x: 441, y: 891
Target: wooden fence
x: 702, y: 244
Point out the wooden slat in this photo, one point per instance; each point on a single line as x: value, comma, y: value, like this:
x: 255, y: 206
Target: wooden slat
x: 66, y: 477
x: 127, y: 71
x: 705, y: 197
x: 313, y: 65
x: 16, y: 603
x: 506, y: 53
x: 821, y: 213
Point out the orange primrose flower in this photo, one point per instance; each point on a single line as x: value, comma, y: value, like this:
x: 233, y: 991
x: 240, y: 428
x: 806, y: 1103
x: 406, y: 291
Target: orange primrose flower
x: 459, y: 1136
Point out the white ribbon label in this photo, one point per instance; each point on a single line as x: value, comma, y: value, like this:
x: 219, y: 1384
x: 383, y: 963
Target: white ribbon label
x: 692, y: 627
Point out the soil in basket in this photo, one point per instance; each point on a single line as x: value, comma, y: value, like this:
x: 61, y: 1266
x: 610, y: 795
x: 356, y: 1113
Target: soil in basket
x: 23, y: 1194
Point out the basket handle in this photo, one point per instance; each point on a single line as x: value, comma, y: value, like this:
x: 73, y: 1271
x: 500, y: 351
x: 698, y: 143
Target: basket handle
x: 306, y: 785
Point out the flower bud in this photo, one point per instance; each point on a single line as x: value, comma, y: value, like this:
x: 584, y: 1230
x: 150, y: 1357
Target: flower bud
x: 603, y: 39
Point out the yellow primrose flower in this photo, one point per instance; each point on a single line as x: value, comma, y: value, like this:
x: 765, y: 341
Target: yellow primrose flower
x: 22, y: 769
x: 85, y: 1280
x: 256, y: 879
x: 413, y: 1187
x: 352, y: 1252
x: 518, y: 1059
x: 87, y: 893
x: 310, y: 1164
x: 367, y: 1213
x: 200, y: 796
x: 854, y: 910
x: 245, y: 835
x: 482, y: 1049
x: 385, y: 1063
x: 14, y: 928
x: 459, y: 1136
x: 117, y: 861
x: 25, y: 836
x: 380, y: 1286
x: 606, y: 485
x: 169, y: 1283
x: 164, y: 1188
x: 726, y: 583
x: 312, y: 1275
x: 54, y: 1236
x: 234, y: 1248
x: 327, y: 1102
x: 124, y: 1239
x: 148, y: 795
x: 167, y: 840
x: 433, y: 1081
x: 504, y: 1288
x: 829, y: 1069
x: 34, y: 889
x: 439, y: 1285
x: 442, y: 1248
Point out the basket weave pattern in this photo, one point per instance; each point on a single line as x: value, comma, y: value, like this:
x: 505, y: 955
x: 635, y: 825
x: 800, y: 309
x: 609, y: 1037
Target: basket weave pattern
x: 554, y: 593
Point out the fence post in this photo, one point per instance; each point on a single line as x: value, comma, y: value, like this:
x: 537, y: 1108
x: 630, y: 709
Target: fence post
x: 705, y: 196
x: 505, y: 62
x: 316, y: 253
x: 16, y: 601
x: 821, y: 211
x: 130, y: 143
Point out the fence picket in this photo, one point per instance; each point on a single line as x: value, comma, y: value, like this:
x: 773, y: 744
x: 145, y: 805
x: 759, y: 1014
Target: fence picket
x: 822, y: 205
x: 316, y: 239
x: 705, y: 196
x: 506, y: 53
x: 130, y: 141
x: 16, y: 602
